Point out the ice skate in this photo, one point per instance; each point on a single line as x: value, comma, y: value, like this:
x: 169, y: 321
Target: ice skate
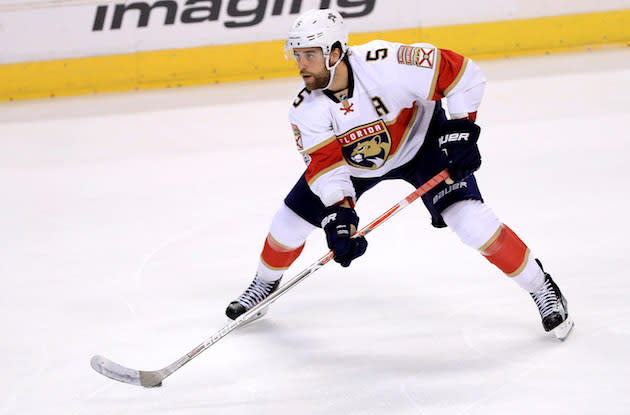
x: 553, y: 307
x: 257, y: 291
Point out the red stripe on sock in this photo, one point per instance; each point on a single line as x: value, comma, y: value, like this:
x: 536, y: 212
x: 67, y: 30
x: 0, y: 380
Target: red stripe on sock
x: 506, y: 251
x: 278, y: 256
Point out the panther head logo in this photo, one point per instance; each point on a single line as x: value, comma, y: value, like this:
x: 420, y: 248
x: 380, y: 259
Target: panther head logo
x: 372, y: 152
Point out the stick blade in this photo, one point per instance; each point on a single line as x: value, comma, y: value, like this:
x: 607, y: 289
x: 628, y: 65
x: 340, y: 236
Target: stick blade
x: 123, y: 374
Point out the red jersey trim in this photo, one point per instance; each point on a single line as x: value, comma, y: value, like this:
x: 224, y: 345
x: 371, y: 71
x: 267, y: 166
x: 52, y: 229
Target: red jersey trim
x: 400, y: 127
x: 436, y: 75
x: 312, y: 174
x: 319, y: 146
x: 322, y: 158
x: 448, y: 73
x: 457, y: 78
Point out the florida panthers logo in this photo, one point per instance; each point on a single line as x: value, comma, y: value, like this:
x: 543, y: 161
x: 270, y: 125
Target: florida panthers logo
x: 368, y: 146
x: 372, y: 152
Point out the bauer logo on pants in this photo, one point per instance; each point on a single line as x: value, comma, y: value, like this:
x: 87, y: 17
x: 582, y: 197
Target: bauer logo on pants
x: 448, y: 190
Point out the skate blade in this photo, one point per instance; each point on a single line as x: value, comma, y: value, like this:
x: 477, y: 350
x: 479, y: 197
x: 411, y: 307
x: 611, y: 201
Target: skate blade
x: 261, y: 313
x: 564, y: 328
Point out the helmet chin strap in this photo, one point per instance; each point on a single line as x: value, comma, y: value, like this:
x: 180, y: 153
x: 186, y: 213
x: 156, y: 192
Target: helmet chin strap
x: 332, y: 69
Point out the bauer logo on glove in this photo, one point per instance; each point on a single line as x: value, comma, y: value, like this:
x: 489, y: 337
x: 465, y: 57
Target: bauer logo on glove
x: 458, y: 141
x: 340, y: 223
x: 454, y: 137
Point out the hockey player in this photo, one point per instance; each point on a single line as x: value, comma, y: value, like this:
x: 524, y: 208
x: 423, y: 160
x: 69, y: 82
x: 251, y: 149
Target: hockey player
x: 373, y: 112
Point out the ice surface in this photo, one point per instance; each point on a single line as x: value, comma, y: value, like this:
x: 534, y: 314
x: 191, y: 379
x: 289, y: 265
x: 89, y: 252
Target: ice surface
x: 129, y: 221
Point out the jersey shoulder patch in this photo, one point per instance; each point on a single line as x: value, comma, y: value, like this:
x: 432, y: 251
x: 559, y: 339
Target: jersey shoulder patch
x: 420, y: 55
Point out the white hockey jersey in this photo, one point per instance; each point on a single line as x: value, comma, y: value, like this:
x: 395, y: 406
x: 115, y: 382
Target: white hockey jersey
x: 380, y: 121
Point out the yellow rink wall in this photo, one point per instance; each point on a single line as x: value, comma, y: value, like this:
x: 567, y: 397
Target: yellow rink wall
x: 264, y: 60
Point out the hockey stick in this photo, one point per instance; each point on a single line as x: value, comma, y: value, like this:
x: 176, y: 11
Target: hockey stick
x: 153, y: 378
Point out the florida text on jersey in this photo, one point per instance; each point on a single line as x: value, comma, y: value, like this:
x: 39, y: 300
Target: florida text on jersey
x: 379, y: 122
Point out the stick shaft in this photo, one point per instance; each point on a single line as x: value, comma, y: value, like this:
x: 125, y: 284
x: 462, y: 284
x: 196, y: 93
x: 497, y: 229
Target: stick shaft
x: 155, y: 377
x: 419, y: 192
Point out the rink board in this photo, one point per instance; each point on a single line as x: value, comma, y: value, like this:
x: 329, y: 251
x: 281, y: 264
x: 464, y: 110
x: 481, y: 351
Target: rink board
x: 264, y: 60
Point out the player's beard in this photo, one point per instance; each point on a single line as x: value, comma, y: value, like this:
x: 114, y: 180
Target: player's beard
x: 318, y: 81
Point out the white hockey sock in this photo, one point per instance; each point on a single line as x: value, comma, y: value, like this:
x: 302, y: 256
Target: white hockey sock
x: 532, y: 277
x: 268, y: 274
x: 284, y: 243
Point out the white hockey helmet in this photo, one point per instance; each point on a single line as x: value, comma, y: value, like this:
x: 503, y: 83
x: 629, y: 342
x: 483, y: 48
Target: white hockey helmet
x: 318, y: 28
